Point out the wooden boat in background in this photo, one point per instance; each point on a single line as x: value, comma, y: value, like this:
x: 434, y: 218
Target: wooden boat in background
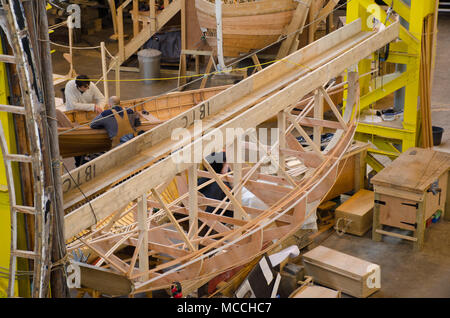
x: 86, y: 140
x: 246, y: 25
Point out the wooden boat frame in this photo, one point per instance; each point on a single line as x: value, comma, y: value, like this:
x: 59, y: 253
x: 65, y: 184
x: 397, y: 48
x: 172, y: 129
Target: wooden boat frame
x: 194, y: 258
x: 85, y: 140
x: 245, y: 26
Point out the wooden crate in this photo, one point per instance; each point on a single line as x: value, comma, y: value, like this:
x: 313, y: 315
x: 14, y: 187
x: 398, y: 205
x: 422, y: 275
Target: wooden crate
x: 410, y: 191
x: 357, y: 212
x: 342, y: 272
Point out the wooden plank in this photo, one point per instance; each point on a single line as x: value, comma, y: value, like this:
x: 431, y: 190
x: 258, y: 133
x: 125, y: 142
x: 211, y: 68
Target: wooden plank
x: 207, y: 71
x: 420, y: 222
x: 13, y: 109
x: 414, y: 170
x: 318, y: 115
x: 143, y: 230
x: 25, y: 209
x: 7, y: 59
x: 376, y: 221
x: 104, y: 72
x: 19, y: 158
x: 103, y: 280
x: 24, y: 254
x: 305, y: 136
x: 182, y: 67
x: 134, y: 14
x: 418, y: 197
x: 316, y: 292
x: 297, y: 22
x: 238, y: 208
x: 324, y: 13
x: 333, y: 108
x: 403, y: 237
x: 193, y: 201
x: 282, y: 140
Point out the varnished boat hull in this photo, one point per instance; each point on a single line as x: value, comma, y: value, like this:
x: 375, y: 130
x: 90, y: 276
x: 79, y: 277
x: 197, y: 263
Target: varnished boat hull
x: 246, y: 26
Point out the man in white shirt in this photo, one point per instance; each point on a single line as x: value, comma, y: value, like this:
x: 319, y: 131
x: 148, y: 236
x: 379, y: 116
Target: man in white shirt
x: 81, y: 94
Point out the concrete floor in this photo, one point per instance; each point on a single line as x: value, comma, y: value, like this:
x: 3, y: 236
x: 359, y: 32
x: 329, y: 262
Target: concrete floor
x: 404, y: 273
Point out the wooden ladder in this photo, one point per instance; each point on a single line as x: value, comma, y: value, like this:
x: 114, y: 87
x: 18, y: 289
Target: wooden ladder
x: 151, y: 25
x: 13, y: 22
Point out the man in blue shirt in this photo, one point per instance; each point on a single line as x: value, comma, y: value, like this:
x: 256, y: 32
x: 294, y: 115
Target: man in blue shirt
x: 113, y: 121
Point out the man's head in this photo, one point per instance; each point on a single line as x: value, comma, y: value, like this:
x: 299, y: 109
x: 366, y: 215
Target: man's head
x: 114, y: 101
x: 82, y: 82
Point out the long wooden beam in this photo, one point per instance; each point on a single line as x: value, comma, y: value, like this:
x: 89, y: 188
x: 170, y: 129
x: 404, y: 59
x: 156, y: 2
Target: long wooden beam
x: 331, y: 66
x: 173, y: 220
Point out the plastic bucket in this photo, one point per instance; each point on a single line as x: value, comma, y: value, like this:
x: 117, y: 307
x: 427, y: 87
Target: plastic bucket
x: 437, y: 135
x: 149, y: 64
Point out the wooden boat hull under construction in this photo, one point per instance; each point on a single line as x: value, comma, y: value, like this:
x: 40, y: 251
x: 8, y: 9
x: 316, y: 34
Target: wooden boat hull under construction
x: 246, y: 26
x: 85, y: 140
x: 180, y: 248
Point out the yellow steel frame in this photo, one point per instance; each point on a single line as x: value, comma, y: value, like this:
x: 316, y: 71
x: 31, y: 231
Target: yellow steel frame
x: 5, y: 221
x: 406, y: 51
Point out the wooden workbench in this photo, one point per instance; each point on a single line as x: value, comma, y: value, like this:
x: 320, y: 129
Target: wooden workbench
x: 403, y: 193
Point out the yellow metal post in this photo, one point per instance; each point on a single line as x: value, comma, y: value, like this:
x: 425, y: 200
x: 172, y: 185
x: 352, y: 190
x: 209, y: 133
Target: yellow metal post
x: 406, y: 51
x: 5, y: 221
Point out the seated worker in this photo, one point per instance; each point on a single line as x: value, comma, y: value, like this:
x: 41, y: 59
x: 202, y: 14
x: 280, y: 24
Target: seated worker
x: 81, y: 94
x: 119, y: 124
x: 213, y: 191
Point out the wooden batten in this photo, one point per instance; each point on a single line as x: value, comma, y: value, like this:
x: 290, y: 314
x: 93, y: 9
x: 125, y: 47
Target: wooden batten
x: 356, y: 214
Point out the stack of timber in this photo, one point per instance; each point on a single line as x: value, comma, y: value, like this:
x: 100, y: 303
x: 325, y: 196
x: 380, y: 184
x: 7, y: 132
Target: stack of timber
x: 426, y: 76
x: 346, y: 273
x: 152, y: 110
x: 185, y: 247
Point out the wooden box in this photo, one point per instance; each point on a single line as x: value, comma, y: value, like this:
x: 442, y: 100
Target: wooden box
x: 356, y: 213
x: 342, y: 272
x: 409, y: 191
x: 316, y: 292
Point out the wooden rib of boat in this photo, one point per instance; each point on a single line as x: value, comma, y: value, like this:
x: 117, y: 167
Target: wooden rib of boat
x: 181, y: 248
x: 236, y: 240
x: 247, y: 25
x: 85, y: 140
